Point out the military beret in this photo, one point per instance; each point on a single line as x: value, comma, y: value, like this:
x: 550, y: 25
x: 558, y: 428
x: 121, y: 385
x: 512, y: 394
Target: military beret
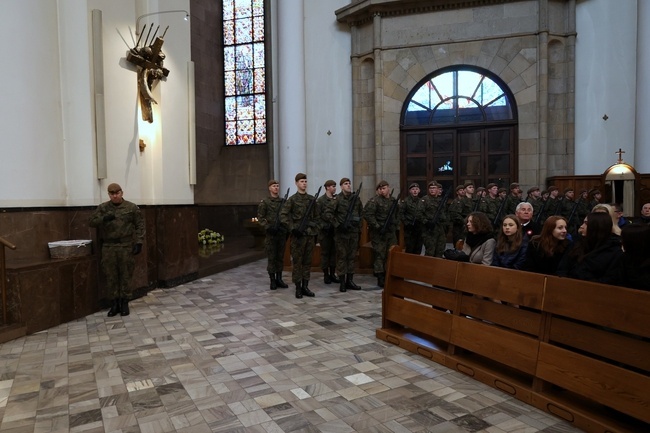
x: 583, y: 191
x: 469, y: 183
x: 432, y: 183
x: 552, y: 188
x: 514, y: 185
x: 490, y: 185
x: 414, y: 185
x: 114, y: 187
x: 382, y: 183
x: 567, y: 190
x: 501, y: 190
x: 300, y: 176
x: 479, y: 189
x: 459, y: 187
x: 533, y: 189
x: 594, y: 192
x: 343, y: 180
x: 329, y: 182
x: 273, y: 182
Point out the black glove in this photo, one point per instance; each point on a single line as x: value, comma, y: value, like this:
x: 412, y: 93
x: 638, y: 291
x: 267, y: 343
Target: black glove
x: 109, y: 217
x: 137, y: 248
x: 297, y: 233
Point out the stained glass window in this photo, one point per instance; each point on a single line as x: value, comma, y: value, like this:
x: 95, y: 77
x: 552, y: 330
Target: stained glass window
x: 244, y: 72
x: 459, y: 96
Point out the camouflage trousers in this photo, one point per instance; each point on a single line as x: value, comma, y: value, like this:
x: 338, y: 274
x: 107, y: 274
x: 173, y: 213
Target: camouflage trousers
x: 118, y: 264
x: 413, y: 240
x: 327, y: 249
x: 347, y: 246
x: 435, y: 241
x: 274, y: 245
x: 302, y: 249
x: 381, y: 243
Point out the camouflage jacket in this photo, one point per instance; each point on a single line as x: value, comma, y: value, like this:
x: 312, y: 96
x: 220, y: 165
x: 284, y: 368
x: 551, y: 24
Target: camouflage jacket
x: 127, y: 227
x: 295, y: 209
x: 455, y: 211
x: 428, y: 212
x: 376, y: 213
x: 325, y: 208
x: 409, y: 212
x: 267, y: 212
x: 341, y: 211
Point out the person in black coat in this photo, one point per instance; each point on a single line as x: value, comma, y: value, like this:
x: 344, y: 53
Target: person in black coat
x: 634, y: 268
x: 546, y: 250
x: 524, y: 213
x: 596, y: 255
x: 510, y: 249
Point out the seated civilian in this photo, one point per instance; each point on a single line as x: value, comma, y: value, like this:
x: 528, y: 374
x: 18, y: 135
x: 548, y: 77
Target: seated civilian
x: 645, y: 215
x: 546, y: 250
x: 595, y: 257
x: 479, y: 243
x: 635, y: 265
x: 605, y: 208
x: 524, y: 213
x: 510, y: 249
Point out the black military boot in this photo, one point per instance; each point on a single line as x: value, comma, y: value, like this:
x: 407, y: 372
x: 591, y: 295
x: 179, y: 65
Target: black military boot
x: 278, y: 281
x: 350, y: 284
x: 381, y: 279
x: 333, y: 276
x: 343, y: 284
x: 326, y: 276
x: 274, y: 282
x: 298, y: 291
x: 305, y: 289
x: 115, y: 307
x: 124, y: 310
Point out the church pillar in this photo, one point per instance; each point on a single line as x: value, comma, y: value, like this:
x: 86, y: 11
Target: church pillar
x: 641, y: 160
x: 291, y: 146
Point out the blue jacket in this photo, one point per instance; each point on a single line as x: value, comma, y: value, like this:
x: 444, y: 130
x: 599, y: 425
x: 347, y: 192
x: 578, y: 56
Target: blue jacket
x: 512, y: 260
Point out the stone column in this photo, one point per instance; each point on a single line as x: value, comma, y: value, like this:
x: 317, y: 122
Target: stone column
x: 642, y: 140
x: 291, y: 148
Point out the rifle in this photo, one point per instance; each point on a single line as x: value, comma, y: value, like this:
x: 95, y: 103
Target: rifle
x: 391, y: 211
x: 303, y: 223
x: 476, y: 204
x: 495, y: 222
x: 353, y: 202
x: 276, y: 223
x: 441, y: 204
x: 539, y: 215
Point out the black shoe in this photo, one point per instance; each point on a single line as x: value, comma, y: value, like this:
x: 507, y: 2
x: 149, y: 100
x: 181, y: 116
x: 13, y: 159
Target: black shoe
x: 305, y: 289
x: 124, y: 311
x: 115, y: 307
x: 342, y: 284
x: 326, y: 276
x: 278, y: 281
x: 350, y: 284
x: 381, y: 279
x: 333, y: 276
x: 298, y: 291
x: 274, y: 282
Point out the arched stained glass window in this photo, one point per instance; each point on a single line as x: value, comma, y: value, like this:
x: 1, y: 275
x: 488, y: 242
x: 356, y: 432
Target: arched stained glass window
x: 455, y: 97
x: 244, y: 72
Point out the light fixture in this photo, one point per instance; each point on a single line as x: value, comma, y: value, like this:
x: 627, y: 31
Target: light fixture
x: 137, y: 21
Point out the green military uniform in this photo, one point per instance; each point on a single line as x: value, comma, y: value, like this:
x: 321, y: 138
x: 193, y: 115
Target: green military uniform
x: 382, y: 233
x: 409, y: 214
x: 490, y: 207
x: 325, y: 206
x: 122, y: 235
x: 302, y: 238
x: 434, y: 233
x: 455, y: 215
x: 268, y: 216
x: 348, y: 232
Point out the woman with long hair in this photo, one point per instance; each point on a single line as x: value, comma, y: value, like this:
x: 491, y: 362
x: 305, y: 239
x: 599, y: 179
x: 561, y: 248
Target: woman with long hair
x: 595, y: 257
x: 605, y: 208
x: 546, y: 250
x: 510, y: 249
x: 479, y: 243
x: 634, y: 267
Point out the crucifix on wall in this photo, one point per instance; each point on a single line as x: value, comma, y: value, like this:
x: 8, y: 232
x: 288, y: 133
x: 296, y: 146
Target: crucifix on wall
x: 149, y: 60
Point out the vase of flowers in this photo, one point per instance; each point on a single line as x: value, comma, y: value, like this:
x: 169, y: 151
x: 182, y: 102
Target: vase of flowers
x: 210, y: 237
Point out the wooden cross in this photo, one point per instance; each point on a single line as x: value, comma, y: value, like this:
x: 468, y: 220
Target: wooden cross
x: 620, y: 155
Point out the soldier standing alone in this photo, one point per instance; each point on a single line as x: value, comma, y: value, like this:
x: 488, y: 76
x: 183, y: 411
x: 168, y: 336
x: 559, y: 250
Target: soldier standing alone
x: 268, y: 216
x: 122, y: 235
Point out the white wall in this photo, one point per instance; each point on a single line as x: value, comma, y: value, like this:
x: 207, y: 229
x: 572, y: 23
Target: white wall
x: 642, y: 152
x: 606, y: 52
x: 47, y: 105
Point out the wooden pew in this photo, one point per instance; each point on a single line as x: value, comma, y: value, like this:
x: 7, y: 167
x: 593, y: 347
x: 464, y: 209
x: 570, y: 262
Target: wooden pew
x: 578, y: 350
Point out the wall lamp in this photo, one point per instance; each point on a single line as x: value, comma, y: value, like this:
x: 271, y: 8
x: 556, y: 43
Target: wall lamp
x: 137, y: 21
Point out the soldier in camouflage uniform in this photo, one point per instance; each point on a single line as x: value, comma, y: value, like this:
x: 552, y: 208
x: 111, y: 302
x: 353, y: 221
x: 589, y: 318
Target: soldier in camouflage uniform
x: 567, y: 209
x: 347, y: 220
x: 325, y: 205
x: 512, y: 200
x: 533, y: 196
x: 382, y: 225
x: 433, y: 216
x: 122, y: 235
x: 293, y: 213
x: 468, y: 199
x: 409, y: 214
x: 490, y: 207
x: 455, y: 213
x: 268, y: 216
x: 553, y: 203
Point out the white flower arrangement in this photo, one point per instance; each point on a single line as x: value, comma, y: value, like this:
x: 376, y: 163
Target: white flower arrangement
x: 210, y: 237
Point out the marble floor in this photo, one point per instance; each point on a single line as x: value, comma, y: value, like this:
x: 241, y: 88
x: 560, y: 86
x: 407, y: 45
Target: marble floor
x: 225, y: 354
